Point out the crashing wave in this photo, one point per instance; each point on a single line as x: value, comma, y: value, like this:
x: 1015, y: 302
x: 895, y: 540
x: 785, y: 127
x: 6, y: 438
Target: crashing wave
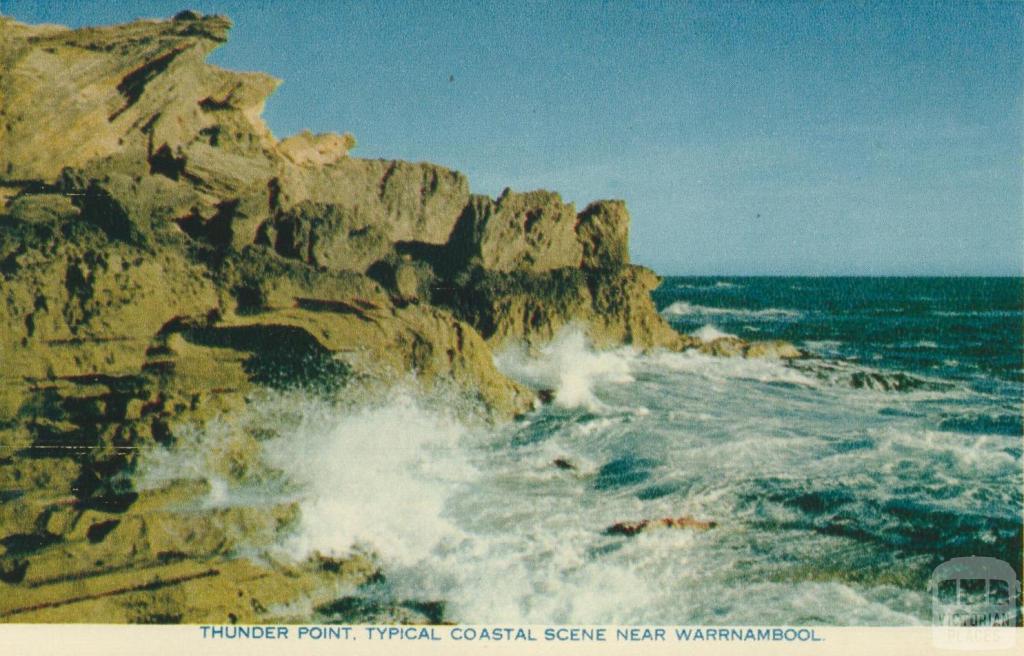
x: 567, y: 366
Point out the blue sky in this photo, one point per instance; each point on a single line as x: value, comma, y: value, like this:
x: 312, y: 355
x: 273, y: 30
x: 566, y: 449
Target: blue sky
x: 747, y: 138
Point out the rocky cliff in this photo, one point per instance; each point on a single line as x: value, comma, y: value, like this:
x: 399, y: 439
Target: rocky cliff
x: 163, y: 256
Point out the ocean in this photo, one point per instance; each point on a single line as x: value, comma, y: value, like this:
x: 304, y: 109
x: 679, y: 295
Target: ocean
x: 837, y: 483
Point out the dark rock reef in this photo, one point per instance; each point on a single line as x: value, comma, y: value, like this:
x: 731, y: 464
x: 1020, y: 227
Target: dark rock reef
x: 163, y: 255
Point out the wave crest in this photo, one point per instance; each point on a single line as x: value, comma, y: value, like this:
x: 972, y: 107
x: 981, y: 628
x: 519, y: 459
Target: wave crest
x: 686, y: 309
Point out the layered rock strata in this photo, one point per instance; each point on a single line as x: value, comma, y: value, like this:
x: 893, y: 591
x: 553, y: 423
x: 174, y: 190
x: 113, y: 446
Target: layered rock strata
x: 163, y: 257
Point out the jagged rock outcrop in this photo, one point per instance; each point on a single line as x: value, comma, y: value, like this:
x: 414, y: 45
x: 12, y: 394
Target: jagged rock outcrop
x: 122, y: 92
x: 603, y: 232
x: 613, y: 304
x: 533, y: 232
x: 329, y: 236
x: 316, y: 149
x: 413, y: 202
x: 163, y: 257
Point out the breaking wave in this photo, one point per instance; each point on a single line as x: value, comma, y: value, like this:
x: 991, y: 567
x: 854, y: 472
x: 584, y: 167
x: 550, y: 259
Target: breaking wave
x: 568, y: 366
x: 708, y: 333
x: 836, y: 487
x: 687, y: 309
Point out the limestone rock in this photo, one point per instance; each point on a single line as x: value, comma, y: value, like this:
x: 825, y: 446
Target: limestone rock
x: 164, y: 260
x: 42, y: 208
x: 221, y: 173
x: 773, y: 349
x: 728, y: 347
x: 412, y: 202
x: 614, y: 305
x: 375, y: 341
x: 603, y: 230
x: 136, y: 210
x: 87, y: 311
x: 407, y: 279
x: 235, y: 224
x: 257, y: 279
x: 74, y: 96
x: 533, y: 231
x: 317, y: 149
x: 335, y: 237
x: 731, y: 347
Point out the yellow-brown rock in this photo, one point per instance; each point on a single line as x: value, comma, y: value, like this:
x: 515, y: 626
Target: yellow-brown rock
x: 132, y: 88
x: 164, y: 260
x: 603, y: 231
x: 533, y: 231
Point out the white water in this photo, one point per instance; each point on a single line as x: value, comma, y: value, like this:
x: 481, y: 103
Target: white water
x: 684, y: 308
x: 709, y: 333
x: 568, y: 366
x: 481, y: 518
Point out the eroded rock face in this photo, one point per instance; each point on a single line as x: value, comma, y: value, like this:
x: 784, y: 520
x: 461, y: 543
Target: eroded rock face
x: 533, y: 232
x: 603, y: 231
x: 413, y: 202
x: 123, y: 91
x: 613, y: 305
x: 316, y: 149
x: 163, y: 258
x: 330, y: 236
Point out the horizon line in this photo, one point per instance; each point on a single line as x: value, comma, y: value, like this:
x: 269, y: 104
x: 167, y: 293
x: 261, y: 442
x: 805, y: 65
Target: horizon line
x: 840, y: 275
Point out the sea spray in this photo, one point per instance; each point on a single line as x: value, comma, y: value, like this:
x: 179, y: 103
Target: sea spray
x: 569, y: 366
x: 368, y: 470
x: 376, y: 476
x: 833, y: 502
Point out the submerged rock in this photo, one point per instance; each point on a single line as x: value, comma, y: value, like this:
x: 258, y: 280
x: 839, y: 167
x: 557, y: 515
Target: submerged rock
x: 732, y: 347
x: 884, y: 381
x: 630, y: 529
x: 773, y: 349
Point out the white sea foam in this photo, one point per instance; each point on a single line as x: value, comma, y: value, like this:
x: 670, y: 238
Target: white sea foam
x: 980, y: 313
x: 720, y: 368
x: 708, y: 333
x: 569, y: 366
x: 827, y: 347
x: 206, y: 455
x: 373, y: 474
x: 686, y: 309
x: 377, y: 476
x: 483, y: 519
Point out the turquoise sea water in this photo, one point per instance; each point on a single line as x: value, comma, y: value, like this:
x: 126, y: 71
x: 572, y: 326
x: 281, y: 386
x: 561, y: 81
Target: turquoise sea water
x: 838, y: 482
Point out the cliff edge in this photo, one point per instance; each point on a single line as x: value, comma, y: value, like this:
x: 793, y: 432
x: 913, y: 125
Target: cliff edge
x: 163, y: 256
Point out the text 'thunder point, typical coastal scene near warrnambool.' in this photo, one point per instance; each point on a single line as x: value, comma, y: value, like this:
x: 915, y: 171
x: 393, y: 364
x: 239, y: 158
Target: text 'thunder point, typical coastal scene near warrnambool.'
x: 707, y: 314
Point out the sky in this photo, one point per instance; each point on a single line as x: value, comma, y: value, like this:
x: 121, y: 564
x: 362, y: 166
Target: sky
x: 748, y: 138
